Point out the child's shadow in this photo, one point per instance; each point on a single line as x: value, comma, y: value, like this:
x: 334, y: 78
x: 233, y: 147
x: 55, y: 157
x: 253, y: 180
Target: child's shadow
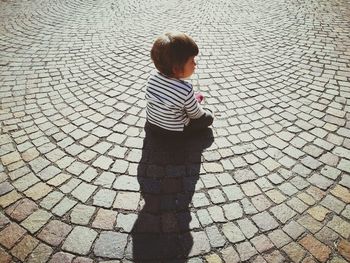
x: 167, y: 174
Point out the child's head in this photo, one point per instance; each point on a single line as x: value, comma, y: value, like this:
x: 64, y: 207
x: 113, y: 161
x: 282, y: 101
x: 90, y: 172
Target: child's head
x: 173, y: 54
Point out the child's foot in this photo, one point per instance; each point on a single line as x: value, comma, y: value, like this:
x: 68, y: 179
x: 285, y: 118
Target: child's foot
x: 199, y: 97
x: 209, y: 111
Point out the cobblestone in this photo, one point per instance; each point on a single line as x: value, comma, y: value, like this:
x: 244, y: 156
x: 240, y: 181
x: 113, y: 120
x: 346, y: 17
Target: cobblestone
x: 282, y: 212
x: 36, y: 220
x: 344, y: 249
x: 230, y: 255
x: 64, y: 206
x: 21, y: 209
x: 79, y: 240
x: 265, y: 221
x: 40, y: 254
x: 316, y: 248
x: 126, y: 221
x: 333, y: 203
x: 310, y: 223
x: 105, y: 219
x: 232, y: 232
x: 294, y: 251
x: 215, y: 237
x: 104, y: 198
x: 327, y: 236
x: 24, y: 247
x: 268, y: 183
x: 279, y: 238
x: 110, y: 245
x: 54, y: 232
x: 10, y: 235
x: 340, y: 226
x: 200, y: 244
x: 318, y: 212
x: 246, y: 250
x: 247, y: 227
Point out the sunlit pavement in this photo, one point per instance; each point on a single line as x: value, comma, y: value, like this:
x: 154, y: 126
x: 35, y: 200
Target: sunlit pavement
x: 79, y: 182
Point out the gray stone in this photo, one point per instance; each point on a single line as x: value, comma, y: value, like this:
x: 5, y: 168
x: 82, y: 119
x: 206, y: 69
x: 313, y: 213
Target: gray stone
x: 265, y: 221
x: 36, y: 220
x: 200, y: 200
x: 204, y: 217
x: 293, y: 229
x: 216, y: 196
x: 233, y: 192
x: 310, y: 223
x: 282, y: 212
x: 244, y: 175
x: 279, y: 238
x: 5, y: 188
x: 232, y: 232
x: 333, y: 203
x: 127, y: 200
x: 232, y: 211
x: 126, y: 221
x: 320, y: 181
x: 103, y: 162
x: 299, y: 182
x: 125, y: 182
x: 215, y: 238
x: 209, y: 180
x: 63, y: 206
x: 229, y: 254
x: 225, y: 179
x: 216, y: 214
x: 344, y: 165
x: 49, y: 172
x: 248, y: 207
x: 345, y: 180
x: 104, y: 198
x: 330, y: 172
x: 84, y: 191
x: 247, y: 227
x: 246, y: 250
x: 261, y: 203
x: 106, y: 179
x: 81, y: 214
x: 288, y: 189
x: 110, y: 245
x: 51, y: 200
x: 80, y: 240
x: 275, y: 178
x: 201, y: 244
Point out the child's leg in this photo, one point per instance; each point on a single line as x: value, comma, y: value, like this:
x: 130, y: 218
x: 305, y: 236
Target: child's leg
x: 151, y: 128
x: 199, y: 124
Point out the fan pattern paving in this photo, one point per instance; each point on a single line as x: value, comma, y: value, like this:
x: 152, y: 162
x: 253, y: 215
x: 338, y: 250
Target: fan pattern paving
x: 81, y: 182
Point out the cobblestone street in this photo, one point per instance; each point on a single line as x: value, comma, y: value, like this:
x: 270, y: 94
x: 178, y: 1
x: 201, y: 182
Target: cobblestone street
x: 81, y: 183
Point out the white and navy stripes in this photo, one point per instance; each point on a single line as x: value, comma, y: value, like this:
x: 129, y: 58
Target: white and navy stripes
x: 170, y: 102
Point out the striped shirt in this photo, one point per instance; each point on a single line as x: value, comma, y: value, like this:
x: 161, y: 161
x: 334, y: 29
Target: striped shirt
x: 170, y: 102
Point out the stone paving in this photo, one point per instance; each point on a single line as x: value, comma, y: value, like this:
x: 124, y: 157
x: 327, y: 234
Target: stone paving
x: 80, y: 181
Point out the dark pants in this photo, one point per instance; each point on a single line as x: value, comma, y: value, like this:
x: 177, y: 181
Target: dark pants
x: 194, y: 126
x: 199, y: 124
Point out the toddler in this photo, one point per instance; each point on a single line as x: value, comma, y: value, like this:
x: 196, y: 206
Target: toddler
x: 172, y: 106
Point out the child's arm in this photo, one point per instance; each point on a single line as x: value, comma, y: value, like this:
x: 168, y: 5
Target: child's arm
x: 192, y: 107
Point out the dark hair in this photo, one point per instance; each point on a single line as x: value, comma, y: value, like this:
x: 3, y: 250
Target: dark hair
x: 172, y: 50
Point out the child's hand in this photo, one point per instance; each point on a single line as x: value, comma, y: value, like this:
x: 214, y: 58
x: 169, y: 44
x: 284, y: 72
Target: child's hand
x: 199, y: 97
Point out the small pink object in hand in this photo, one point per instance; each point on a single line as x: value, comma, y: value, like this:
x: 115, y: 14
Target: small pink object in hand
x: 199, y: 97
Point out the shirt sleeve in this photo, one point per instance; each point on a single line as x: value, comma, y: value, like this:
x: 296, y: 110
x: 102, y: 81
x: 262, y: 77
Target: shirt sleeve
x: 192, y: 107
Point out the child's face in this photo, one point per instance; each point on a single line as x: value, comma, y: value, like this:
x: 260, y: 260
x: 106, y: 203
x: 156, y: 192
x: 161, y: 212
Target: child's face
x: 188, y: 69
